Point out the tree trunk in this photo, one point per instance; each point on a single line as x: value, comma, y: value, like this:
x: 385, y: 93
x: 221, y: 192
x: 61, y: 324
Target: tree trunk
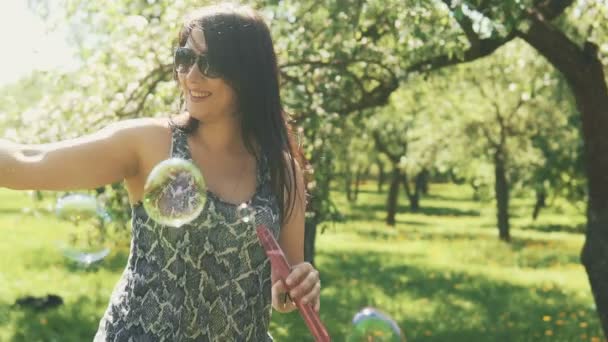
x: 415, y: 202
x: 541, y: 197
x: 315, y: 205
x: 393, y: 196
x: 476, y: 190
x: 584, y: 72
x: 381, y: 175
x: 310, y: 233
x: 501, y: 188
x: 414, y: 197
x: 348, y: 185
x: 358, y: 179
x: 422, y: 182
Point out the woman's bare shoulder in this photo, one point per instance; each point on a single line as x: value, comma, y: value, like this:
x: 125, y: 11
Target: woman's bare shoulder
x: 152, y: 134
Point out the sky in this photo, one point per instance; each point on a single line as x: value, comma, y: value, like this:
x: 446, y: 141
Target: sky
x: 24, y: 44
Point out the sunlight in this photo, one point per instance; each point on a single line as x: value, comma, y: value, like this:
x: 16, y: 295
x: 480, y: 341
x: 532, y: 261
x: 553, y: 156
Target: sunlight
x: 26, y: 44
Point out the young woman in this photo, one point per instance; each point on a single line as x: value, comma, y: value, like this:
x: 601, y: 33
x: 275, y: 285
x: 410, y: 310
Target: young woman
x: 208, y: 280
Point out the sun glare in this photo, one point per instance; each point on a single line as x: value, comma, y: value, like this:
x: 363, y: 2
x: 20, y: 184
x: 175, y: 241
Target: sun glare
x: 26, y: 46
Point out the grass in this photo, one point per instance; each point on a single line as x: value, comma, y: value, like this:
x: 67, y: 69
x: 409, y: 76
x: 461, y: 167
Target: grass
x: 440, y: 273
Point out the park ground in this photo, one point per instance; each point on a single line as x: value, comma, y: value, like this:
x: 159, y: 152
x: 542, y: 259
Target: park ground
x: 441, y: 273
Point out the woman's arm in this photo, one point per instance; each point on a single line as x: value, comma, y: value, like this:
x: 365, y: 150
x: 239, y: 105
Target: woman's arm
x: 90, y: 161
x: 304, y: 277
x: 291, y: 238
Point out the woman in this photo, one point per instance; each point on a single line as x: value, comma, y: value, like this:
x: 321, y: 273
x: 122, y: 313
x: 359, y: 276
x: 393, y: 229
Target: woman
x: 209, y: 280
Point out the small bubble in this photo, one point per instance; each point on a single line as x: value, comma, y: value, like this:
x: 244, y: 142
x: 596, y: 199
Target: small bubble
x: 370, y: 324
x: 85, y: 258
x: 245, y: 213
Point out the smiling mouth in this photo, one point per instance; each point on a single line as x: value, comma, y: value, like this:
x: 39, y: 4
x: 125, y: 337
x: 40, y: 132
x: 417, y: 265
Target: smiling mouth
x: 199, y: 95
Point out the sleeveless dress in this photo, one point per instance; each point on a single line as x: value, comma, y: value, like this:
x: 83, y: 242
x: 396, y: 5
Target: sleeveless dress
x: 206, y: 281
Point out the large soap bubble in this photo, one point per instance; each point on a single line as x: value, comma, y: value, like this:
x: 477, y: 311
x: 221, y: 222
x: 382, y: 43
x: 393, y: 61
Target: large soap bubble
x: 174, y: 193
x: 371, y: 325
x: 78, y: 208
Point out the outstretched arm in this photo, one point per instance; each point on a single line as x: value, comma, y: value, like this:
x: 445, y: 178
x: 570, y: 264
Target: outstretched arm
x: 90, y: 161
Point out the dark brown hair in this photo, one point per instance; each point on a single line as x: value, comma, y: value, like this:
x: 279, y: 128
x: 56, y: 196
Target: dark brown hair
x: 240, y: 46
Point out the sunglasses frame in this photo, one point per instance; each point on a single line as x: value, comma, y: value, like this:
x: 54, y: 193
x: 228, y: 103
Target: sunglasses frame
x: 201, y: 61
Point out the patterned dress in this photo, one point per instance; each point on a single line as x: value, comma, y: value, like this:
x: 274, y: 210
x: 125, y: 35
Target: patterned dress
x: 206, y: 281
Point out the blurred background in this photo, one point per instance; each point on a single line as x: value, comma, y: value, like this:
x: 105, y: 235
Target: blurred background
x: 452, y: 146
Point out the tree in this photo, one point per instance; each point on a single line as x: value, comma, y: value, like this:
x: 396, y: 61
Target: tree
x: 342, y: 56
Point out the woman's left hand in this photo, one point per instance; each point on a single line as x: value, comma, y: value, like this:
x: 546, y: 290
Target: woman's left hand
x: 305, y: 284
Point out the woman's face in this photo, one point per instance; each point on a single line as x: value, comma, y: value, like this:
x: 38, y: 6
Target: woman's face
x: 207, y: 99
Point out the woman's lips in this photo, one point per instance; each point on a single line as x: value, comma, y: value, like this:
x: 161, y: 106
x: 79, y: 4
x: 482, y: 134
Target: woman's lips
x: 198, y: 96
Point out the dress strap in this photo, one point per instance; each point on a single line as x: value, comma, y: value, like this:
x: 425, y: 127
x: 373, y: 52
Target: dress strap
x: 179, y: 143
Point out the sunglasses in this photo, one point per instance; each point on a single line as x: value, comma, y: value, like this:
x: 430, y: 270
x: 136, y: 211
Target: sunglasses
x: 184, y: 58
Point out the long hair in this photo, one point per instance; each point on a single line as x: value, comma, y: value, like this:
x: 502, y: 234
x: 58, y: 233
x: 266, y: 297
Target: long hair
x: 240, y: 45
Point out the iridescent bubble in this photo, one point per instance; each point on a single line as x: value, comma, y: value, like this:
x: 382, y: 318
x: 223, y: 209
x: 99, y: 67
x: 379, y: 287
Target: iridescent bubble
x: 174, y: 193
x: 372, y: 325
x: 78, y: 207
x: 85, y: 258
x: 245, y: 213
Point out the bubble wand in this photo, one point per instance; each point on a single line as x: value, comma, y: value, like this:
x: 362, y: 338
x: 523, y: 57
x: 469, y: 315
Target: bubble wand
x: 281, y: 267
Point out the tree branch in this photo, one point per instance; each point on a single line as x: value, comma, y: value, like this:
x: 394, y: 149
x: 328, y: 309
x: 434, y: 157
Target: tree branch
x: 466, y: 24
x: 485, y: 48
x: 544, y: 10
x: 551, y: 9
x: 383, y: 148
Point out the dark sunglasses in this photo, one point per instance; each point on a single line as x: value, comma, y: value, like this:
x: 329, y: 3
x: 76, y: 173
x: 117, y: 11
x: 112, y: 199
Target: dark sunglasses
x: 184, y: 58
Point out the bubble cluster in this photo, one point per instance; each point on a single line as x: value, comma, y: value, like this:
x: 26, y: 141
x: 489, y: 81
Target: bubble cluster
x: 371, y: 325
x: 174, y: 193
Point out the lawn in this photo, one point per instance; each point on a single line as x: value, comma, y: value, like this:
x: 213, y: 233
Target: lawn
x: 440, y: 273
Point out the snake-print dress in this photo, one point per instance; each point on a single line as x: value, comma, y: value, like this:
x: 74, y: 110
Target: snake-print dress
x: 206, y: 281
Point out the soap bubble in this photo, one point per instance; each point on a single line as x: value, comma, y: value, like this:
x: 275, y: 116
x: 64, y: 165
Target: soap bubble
x: 245, y: 213
x: 85, y: 258
x: 174, y: 192
x: 371, y: 325
x: 78, y: 207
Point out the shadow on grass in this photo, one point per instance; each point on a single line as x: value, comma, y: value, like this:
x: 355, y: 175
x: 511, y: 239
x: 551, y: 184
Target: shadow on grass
x: 448, y: 306
x: 550, y: 228
x: 10, y: 211
x: 440, y: 197
x: 76, y: 320
x: 369, y: 211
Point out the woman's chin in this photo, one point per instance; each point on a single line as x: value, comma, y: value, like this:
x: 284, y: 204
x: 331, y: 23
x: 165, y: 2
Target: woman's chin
x: 196, y: 113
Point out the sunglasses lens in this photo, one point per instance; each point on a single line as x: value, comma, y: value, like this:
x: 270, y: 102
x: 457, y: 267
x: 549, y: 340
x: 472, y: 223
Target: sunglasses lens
x: 184, y: 59
x: 205, y: 67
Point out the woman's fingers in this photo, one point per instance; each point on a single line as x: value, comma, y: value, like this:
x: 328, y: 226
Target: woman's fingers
x: 306, y: 285
x: 298, y: 273
x: 313, y: 295
x: 280, y: 300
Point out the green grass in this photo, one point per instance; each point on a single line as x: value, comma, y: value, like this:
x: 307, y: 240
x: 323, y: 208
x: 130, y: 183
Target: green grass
x: 441, y: 273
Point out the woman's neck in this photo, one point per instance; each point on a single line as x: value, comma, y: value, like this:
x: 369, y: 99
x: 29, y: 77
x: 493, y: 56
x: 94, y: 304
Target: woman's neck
x: 220, y: 137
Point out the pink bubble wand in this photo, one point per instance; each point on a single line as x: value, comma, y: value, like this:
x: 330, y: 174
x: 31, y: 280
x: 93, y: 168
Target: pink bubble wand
x: 281, y: 267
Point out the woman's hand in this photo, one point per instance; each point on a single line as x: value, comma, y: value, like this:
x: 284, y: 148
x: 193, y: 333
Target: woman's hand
x: 304, y: 284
